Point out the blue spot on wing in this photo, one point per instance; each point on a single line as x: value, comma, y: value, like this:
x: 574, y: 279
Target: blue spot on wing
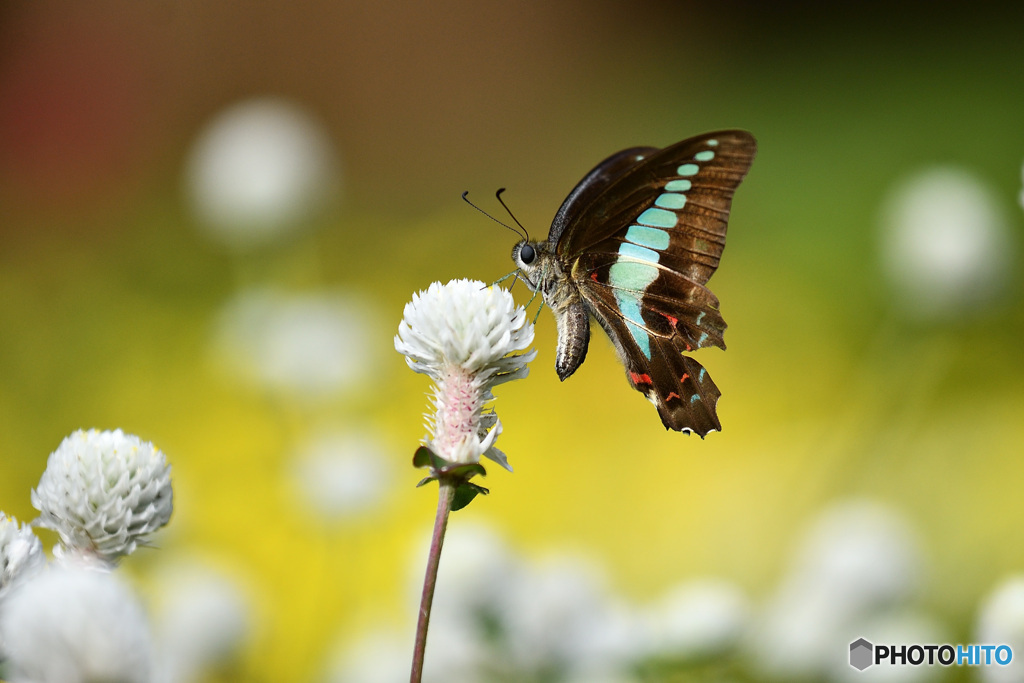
x: 640, y: 253
x: 670, y: 200
x: 658, y: 218
x: 629, y: 306
x: 678, y: 185
x: 632, y: 275
x: 653, y: 238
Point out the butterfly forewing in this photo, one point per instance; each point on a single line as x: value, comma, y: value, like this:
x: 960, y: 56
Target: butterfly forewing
x: 679, y: 179
x: 640, y: 242
x: 592, y: 185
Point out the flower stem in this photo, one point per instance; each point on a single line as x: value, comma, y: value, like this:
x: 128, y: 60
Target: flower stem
x: 446, y: 492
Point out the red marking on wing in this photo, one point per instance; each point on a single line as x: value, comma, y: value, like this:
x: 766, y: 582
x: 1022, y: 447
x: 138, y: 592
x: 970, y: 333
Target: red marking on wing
x: 593, y: 276
x: 639, y: 379
x: 683, y: 379
x: 670, y: 395
x: 671, y: 320
x: 689, y: 348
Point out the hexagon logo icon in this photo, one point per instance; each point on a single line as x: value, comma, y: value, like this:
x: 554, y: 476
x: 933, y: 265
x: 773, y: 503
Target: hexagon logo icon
x: 861, y: 654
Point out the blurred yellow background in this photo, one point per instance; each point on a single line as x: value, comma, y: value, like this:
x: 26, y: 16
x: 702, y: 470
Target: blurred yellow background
x: 120, y: 305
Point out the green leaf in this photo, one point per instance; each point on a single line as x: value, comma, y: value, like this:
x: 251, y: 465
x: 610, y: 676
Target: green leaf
x: 423, y: 457
x: 465, y: 493
x: 425, y: 480
x: 464, y: 471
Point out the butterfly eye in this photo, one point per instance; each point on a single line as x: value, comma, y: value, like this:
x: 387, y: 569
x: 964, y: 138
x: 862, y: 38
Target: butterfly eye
x: 527, y: 254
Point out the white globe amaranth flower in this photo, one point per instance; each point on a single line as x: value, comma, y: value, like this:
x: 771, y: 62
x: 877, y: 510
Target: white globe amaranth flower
x: 560, y: 615
x: 376, y: 655
x: 306, y: 345
x: 341, y: 474
x: 1021, y: 197
x: 698, y: 618
x: 104, y: 493
x: 75, y: 625
x: 21, y: 553
x: 259, y: 170
x: 858, y: 559
x: 203, y: 619
x: 1001, y: 621
x: 946, y: 243
x: 467, y: 337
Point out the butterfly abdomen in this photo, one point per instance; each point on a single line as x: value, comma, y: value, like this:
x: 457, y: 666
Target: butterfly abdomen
x: 571, y: 318
x: 573, y: 337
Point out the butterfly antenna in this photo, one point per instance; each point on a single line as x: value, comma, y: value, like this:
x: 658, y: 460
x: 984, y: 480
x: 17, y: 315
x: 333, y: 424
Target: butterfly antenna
x: 502, y: 201
x: 521, y: 234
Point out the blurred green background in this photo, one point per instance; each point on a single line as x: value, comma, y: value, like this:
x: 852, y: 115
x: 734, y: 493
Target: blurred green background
x: 112, y: 292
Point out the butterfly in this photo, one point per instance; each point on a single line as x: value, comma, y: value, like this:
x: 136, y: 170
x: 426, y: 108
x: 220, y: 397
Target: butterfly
x: 633, y: 246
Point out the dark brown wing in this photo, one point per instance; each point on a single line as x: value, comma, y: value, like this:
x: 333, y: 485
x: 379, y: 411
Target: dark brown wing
x: 678, y: 386
x: 640, y: 249
x: 685, y: 189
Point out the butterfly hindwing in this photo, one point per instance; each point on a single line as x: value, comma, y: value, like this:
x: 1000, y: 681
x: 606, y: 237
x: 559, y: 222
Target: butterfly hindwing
x: 641, y: 235
x: 677, y: 385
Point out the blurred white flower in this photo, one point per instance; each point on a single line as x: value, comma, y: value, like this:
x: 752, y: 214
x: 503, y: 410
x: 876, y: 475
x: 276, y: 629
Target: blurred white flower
x: 203, y: 619
x: 458, y: 651
x: 258, y: 170
x: 341, y: 474
x: 946, y: 244
x: 697, y: 619
x: 75, y: 625
x: 897, y: 627
x: 313, y: 345
x: 559, y: 617
x: 1001, y: 622
x: 375, y: 656
x: 21, y: 553
x: 858, y: 559
x: 1021, y: 198
x: 478, y: 572
x: 465, y: 336
x: 104, y: 493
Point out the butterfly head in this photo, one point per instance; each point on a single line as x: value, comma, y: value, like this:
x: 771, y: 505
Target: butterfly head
x: 529, y: 257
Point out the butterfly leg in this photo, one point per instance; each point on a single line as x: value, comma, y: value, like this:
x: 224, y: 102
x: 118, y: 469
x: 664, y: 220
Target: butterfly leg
x: 514, y: 273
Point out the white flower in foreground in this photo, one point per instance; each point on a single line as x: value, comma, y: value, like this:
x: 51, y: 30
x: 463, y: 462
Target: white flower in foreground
x: 946, y: 245
x: 465, y: 336
x: 1001, y: 622
x: 259, y: 170
x: 75, y: 625
x: 104, y: 493
x: 21, y: 552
